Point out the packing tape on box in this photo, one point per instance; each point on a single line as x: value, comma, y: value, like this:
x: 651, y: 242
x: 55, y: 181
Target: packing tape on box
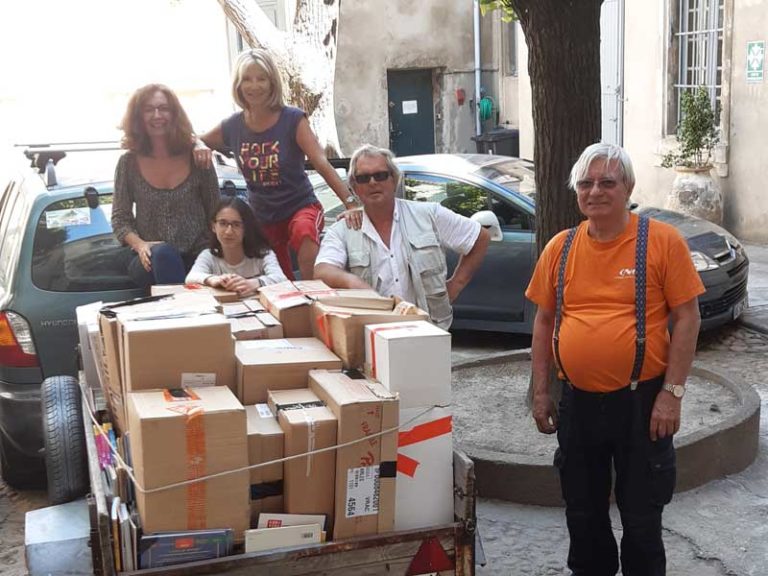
x: 420, y: 433
x: 194, y: 432
x: 324, y: 329
x: 374, y: 331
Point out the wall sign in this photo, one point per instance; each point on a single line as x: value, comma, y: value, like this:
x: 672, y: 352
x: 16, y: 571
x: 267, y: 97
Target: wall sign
x: 755, y: 61
x: 410, y: 107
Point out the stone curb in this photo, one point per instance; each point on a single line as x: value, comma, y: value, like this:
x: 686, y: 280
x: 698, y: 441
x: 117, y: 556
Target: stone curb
x: 702, y: 455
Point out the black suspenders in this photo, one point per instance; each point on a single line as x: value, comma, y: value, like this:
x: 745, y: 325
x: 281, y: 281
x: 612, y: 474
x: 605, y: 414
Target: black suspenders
x: 641, y: 252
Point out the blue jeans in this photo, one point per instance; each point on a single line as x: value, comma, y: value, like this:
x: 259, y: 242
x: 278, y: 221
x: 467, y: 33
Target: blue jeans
x: 169, y: 266
x: 599, y: 432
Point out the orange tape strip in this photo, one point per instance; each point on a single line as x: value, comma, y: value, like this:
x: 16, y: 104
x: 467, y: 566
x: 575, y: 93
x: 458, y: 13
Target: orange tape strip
x: 323, y: 327
x: 374, y: 331
x: 196, y: 467
x: 426, y: 431
x: 407, y: 465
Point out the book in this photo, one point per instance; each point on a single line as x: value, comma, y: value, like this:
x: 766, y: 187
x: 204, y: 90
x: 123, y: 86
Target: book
x: 127, y: 553
x: 168, y: 548
x: 116, y: 541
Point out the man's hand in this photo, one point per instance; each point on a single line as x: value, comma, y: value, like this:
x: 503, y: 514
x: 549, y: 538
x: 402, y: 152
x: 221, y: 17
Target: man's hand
x: 353, y: 218
x: 453, y: 288
x: 544, y: 413
x: 665, y: 417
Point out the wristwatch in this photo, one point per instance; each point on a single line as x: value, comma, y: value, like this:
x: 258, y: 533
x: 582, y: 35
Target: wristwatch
x: 351, y: 199
x: 676, y: 390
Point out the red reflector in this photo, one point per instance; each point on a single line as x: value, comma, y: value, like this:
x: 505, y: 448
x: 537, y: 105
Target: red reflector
x: 430, y: 558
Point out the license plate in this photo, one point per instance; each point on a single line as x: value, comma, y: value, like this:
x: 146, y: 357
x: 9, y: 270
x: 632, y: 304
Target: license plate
x: 740, y: 307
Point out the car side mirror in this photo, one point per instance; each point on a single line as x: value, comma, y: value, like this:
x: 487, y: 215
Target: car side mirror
x: 488, y: 220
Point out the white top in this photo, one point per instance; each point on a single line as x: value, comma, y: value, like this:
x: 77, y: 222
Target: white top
x: 207, y: 265
x: 390, y: 266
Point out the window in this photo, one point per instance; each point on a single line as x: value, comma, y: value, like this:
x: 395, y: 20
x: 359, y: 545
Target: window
x: 696, y: 56
x: 75, y: 251
x: 461, y: 197
x: 466, y: 199
x: 510, y: 48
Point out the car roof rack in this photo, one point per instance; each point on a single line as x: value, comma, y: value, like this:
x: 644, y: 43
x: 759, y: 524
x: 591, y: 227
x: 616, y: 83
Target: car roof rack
x: 44, y: 157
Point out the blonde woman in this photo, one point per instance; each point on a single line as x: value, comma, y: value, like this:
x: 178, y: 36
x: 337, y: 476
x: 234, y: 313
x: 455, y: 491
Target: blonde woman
x: 270, y: 140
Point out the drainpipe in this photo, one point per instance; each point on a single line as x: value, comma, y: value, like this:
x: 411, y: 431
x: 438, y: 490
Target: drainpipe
x: 478, y: 128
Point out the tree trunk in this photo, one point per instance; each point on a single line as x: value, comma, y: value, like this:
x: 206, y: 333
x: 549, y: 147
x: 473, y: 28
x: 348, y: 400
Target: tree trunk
x: 563, y: 38
x: 306, y: 55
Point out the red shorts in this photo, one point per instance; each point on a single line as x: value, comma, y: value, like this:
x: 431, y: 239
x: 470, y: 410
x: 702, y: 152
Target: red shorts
x: 305, y: 223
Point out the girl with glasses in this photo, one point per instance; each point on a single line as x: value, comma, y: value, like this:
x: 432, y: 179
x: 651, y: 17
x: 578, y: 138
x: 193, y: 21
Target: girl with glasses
x: 173, y: 198
x: 238, y: 258
x: 270, y: 140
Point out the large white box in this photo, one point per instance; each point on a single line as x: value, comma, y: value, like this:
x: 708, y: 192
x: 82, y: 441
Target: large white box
x: 412, y: 359
x: 424, y: 469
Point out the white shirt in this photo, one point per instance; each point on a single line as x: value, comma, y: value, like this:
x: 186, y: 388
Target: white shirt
x: 389, y: 265
x: 207, y: 264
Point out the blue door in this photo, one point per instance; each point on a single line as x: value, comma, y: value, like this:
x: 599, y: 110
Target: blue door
x: 411, y: 112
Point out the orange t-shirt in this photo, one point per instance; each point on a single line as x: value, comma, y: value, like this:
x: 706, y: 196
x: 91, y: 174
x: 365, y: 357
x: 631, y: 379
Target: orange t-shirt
x: 597, y: 332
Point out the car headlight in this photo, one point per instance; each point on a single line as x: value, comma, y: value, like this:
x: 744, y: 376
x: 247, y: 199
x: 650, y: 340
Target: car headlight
x: 702, y: 262
x: 734, y: 243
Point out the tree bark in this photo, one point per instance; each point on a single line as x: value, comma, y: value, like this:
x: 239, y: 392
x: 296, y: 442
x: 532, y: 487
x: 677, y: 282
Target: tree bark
x: 306, y: 55
x: 563, y: 38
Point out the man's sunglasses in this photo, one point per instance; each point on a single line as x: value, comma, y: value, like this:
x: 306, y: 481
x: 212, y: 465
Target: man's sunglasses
x: 366, y: 178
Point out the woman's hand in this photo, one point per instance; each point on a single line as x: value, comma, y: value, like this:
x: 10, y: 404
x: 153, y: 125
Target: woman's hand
x: 214, y: 281
x: 144, y: 252
x: 353, y: 217
x: 202, y: 155
x: 243, y: 287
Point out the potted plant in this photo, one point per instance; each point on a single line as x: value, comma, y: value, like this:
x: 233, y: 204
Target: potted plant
x: 694, y: 190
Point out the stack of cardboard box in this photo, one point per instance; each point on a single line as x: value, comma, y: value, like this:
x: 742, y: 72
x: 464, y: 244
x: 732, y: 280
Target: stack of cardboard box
x: 203, y: 385
x: 413, y: 360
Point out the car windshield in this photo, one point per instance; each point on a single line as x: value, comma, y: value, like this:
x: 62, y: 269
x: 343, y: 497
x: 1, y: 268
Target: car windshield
x: 75, y: 250
x: 512, y: 175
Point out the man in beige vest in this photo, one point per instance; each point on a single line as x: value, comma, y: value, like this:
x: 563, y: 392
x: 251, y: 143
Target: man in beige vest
x: 399, y: 250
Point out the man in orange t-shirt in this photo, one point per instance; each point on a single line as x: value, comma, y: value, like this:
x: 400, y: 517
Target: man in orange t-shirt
x: 606, y: 421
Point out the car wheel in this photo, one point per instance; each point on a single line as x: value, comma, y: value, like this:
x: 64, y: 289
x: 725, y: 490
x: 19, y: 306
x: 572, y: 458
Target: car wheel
x: 19, y: 470
x: 64, y: 439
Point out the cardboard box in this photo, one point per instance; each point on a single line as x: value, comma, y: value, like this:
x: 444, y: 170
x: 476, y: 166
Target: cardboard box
x: 176, y: 352
x: 279, y: 364
x: 110, y: 348
x: 265, y: 443
x: 425, y: 469
x: 177, y: 435
x: 221, y: 296
x: 342, y: 328
x: 87, y: 328
x: 251, y: 327
x: 309, y: 481
x: 412, y: 359
x: 184, y: 304
x: 365, y: 471
x: 261, y: 539
x: 254, y: 304
x: 289, y: 302
x: 357, y: 298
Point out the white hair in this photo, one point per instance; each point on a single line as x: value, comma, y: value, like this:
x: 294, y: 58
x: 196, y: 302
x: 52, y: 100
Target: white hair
x: 609, y: 152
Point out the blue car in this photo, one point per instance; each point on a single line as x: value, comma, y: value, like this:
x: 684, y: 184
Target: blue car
x: 500, y: 191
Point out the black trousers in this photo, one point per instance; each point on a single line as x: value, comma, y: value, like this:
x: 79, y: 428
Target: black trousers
x: 599, y: 432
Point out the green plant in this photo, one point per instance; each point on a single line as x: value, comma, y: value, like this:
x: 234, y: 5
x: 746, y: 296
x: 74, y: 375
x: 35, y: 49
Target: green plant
x: 697, y: 133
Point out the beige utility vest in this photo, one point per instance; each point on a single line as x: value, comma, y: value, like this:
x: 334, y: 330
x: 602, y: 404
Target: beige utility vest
x: 424, y: 256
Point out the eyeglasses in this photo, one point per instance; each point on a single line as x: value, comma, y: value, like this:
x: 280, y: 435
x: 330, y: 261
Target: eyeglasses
x: 235, y: 224
x: 602, y: 184
x: 366, y: 178
x: 162, y: 109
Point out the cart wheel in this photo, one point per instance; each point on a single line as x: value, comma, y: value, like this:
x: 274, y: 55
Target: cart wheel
x: 64, y: 439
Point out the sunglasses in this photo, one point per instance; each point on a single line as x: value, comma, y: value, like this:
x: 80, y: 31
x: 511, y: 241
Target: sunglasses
x: 366, y: 178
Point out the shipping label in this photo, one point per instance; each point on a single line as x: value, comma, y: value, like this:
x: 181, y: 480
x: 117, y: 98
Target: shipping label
x: 362, y: 491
